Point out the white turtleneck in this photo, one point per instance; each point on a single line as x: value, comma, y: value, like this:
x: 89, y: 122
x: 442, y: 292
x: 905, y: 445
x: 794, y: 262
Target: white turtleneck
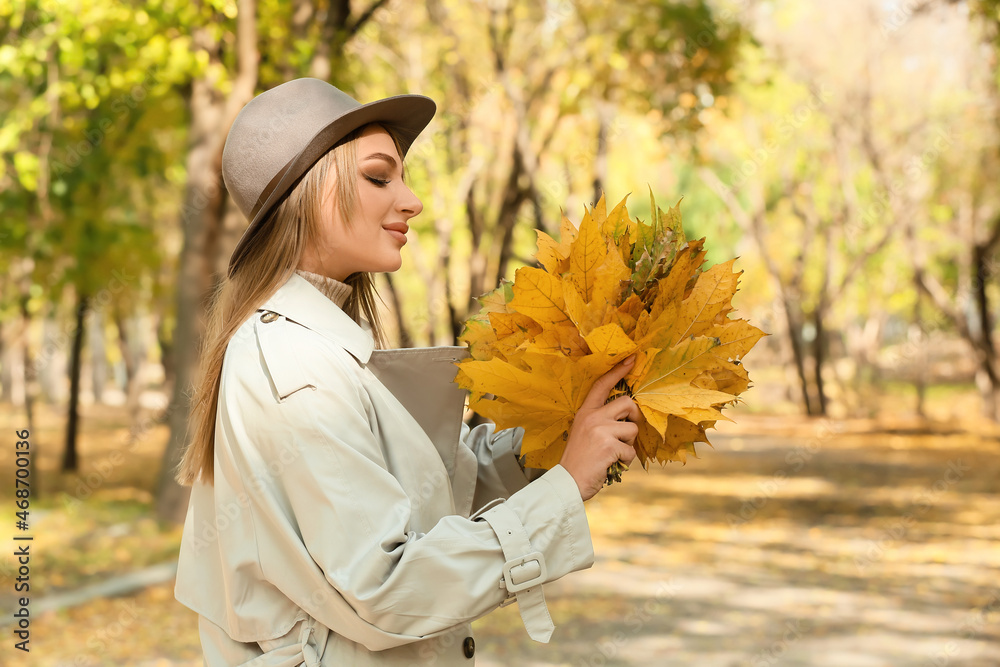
x: 333, y: 289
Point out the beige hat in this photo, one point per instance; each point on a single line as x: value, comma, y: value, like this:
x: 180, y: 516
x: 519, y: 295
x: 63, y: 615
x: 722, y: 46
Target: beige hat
x: 282, y: 132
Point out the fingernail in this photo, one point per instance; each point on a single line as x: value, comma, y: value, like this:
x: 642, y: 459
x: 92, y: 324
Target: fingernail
x: 630, y: 360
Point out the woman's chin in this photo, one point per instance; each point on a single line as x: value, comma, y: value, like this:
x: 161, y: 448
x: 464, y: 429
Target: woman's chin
x: 392, y: 263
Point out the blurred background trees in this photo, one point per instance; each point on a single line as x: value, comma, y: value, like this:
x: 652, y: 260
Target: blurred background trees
x: 853, y: 180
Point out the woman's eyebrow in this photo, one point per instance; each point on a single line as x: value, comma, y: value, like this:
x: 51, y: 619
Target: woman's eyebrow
x: 382, y: 156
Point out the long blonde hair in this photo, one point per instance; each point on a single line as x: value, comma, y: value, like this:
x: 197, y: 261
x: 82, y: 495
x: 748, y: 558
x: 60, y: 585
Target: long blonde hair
x: 268, y: 264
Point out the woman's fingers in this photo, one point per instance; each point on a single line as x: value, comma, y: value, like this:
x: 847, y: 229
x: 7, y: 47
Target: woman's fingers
x: 603, y: 385
x: 625, y: 431
x: 624, y: 407
x: 602, y: 432
x: 627, y: 454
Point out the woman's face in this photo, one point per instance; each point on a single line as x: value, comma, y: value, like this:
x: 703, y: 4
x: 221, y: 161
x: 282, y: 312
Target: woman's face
x: 376, y: 235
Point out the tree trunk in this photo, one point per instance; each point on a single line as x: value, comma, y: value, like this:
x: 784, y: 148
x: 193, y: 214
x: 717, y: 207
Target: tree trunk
x: 98, y: 355
x: 70, y: 460
x: 604, y: 111
x: 51, y: 362
x: 513, y: 197
x: 443, y: 228
x: 166, y: 346
x: 131, y: 360
x: 30, y: 380
x: 6, y: 368
x: 405, y: 340
x: 477, y: 260
x: 918, y: 341
x: 988, y: 353
x: 202, y: 221
x: 193, y: 284
x: 11, y: 367
x: 794, y: 331
x: 819, y: 348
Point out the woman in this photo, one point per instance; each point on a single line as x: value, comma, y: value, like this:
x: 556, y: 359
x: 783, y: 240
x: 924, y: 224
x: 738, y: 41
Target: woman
x: 341, y: 513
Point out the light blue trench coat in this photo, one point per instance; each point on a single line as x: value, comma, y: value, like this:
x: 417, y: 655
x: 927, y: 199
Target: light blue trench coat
x: 354, y: 519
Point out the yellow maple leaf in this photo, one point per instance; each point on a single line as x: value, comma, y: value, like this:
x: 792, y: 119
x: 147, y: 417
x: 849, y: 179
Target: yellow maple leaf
x: 609, y: 288
x: 587, y: 252
x: 551, y: 254
x: 564, y: 339
x: 539, y: 295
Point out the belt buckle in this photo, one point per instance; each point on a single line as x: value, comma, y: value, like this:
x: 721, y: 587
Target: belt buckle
x: 534, y: 556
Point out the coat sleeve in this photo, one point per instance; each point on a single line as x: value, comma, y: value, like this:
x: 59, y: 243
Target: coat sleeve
x: 325, y: 499
x: 499, y: 473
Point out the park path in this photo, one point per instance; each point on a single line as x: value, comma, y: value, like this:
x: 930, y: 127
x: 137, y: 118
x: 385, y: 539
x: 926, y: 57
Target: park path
x: 832, y: 549
x: 820, y: 544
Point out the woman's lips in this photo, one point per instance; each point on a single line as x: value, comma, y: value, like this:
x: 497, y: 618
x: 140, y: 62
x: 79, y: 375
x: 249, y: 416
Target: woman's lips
x: 399, y: 236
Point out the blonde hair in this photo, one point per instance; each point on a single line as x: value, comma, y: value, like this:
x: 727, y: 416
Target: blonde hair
x: 267, y: 265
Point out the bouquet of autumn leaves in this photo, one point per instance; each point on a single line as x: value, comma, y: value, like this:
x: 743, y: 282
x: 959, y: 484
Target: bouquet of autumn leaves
x: 610, y: 288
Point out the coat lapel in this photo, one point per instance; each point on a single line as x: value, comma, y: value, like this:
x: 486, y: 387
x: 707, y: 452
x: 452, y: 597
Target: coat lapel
x: 300, y: 302
x: 421, y: 379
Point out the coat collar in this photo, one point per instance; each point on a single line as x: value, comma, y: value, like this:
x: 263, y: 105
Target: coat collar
x: 300, y: 302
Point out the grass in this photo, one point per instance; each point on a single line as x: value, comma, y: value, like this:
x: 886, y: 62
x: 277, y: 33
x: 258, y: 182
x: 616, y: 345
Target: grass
x: 80, y: 543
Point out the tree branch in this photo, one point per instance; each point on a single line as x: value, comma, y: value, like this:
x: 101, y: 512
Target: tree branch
x: 364, y: 17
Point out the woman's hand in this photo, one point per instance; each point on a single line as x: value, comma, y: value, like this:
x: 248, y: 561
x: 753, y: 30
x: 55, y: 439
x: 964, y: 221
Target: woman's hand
x: 597, y: 438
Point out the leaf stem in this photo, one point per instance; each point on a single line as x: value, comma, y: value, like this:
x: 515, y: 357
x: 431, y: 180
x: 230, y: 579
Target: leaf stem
x: 616, y: 469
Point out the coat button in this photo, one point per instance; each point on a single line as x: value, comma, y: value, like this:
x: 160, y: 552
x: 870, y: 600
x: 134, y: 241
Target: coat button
x: 268, y: 316
x: 469, y: 647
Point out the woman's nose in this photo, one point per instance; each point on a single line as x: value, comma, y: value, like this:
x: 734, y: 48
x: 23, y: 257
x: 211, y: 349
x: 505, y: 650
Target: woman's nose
x: 409, y: 202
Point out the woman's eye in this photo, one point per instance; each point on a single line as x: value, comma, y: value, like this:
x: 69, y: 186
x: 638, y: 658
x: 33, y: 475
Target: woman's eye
x: 381, y: 182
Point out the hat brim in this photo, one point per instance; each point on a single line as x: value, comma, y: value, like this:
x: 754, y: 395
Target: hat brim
x: 407, y: 115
